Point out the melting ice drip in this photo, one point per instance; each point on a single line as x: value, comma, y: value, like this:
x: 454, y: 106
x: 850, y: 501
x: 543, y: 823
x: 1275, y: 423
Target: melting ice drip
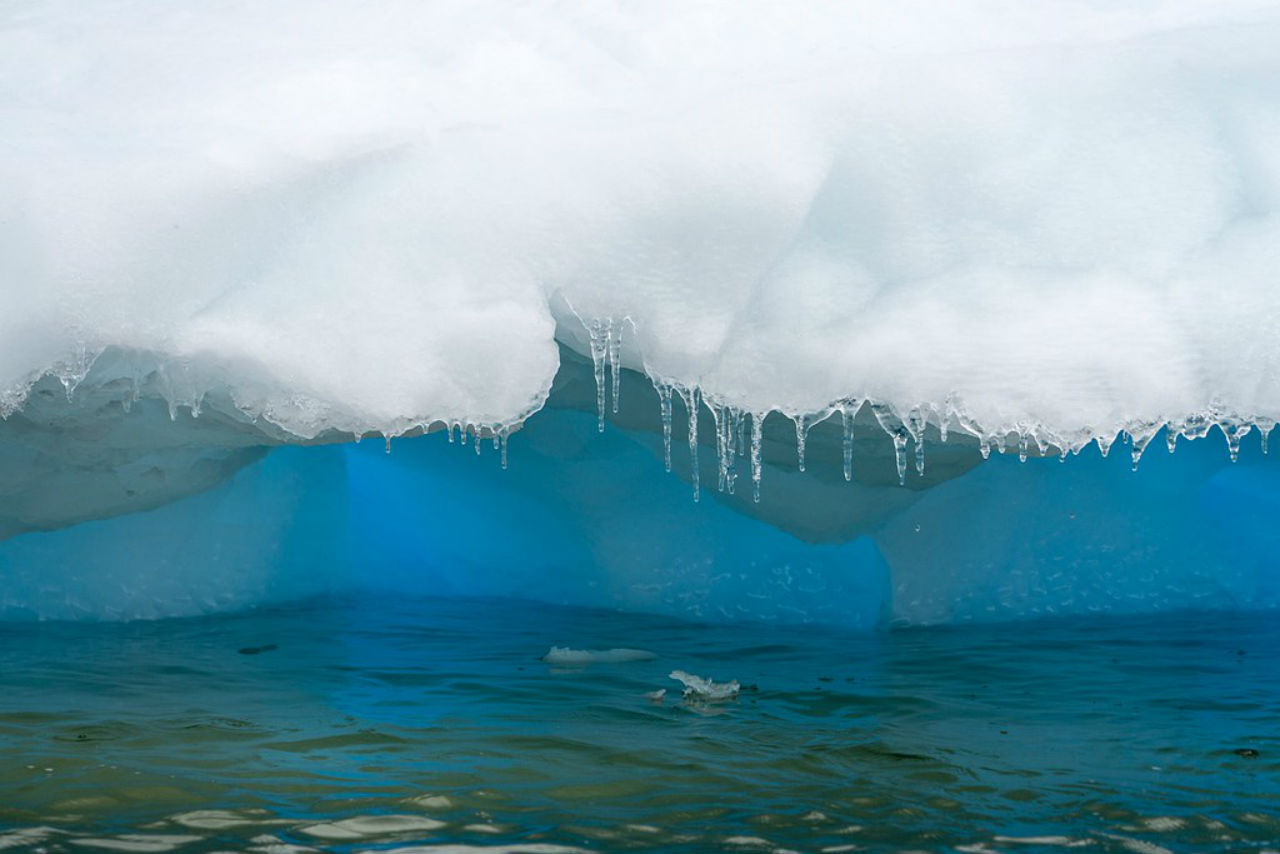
x: 734, y: 439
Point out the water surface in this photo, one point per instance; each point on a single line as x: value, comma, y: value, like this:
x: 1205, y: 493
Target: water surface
x: 375, y: 724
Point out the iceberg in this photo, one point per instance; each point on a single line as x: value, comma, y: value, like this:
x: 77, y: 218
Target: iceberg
x: 842, y: 282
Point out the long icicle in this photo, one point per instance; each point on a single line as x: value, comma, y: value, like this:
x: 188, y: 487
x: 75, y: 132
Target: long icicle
x: 846, y: 418
x: 916, y: 423
x: 893, y: 426
x: 801, y: 435
x: 721, y: 417
x: 615, y: 361
x: 757, y: 430
x: 599, y: 355
x: 664, y: 400
x: 692, y: 400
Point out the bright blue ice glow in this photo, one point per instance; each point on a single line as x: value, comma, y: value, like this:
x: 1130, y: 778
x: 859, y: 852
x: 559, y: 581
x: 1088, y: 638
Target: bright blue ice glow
x: 585, y: 518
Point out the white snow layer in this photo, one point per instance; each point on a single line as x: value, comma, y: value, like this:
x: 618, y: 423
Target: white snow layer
x: 1059, y: 218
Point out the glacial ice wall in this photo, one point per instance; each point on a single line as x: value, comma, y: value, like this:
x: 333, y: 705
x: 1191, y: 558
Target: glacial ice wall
x: 888, y: 240
x: 1054, y: 219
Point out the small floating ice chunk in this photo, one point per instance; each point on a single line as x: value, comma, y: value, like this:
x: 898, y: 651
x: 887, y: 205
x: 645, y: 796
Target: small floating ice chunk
x: 656, y: 696
x: 566, y: 655
x: 695, y: 687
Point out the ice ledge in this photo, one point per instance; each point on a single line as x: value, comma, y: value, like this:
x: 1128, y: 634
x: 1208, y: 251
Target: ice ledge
x: 129, y: 431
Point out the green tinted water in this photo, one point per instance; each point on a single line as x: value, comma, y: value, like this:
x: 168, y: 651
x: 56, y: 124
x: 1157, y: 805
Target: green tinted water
x: 388, y: 724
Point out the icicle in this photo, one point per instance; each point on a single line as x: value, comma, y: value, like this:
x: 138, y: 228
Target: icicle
x: 801, y: 435
x: 477, y: 440
x: 916, y: 423
x: 600, y: 338
x: 757, y: 432
x: 462, y: 434
x: 741, y: 443
x: 891, y: 424
x: 1104, y: 444
x: 1023, y: 440
x: 615, y: 361
x: 731, y: 433
x: 900, y: 454
x: 495, y: 438
x: 1140, y: 435
x: 735, y: 431
x: 846, y: 418
x: 448, y: 431
x: 70, y: 381
x: 388, y: 438
x: 1265, y: 426
x: 692, y: 400
x: 1234, y: 431
x: 720, y: 415
x: 664, y: 393
x: 505, y: 435
x: 1171, y: 437
x: 984, y: 447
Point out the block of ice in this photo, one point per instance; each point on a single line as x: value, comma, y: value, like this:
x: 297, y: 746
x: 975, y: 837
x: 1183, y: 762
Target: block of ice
x: 816, y: 262
x: 1058, y: 221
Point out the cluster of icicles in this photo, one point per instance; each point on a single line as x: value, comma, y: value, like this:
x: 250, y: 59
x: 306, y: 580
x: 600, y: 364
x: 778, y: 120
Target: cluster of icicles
x: 739, y: 432
x: 180, y: 391
x: 733, y: 442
